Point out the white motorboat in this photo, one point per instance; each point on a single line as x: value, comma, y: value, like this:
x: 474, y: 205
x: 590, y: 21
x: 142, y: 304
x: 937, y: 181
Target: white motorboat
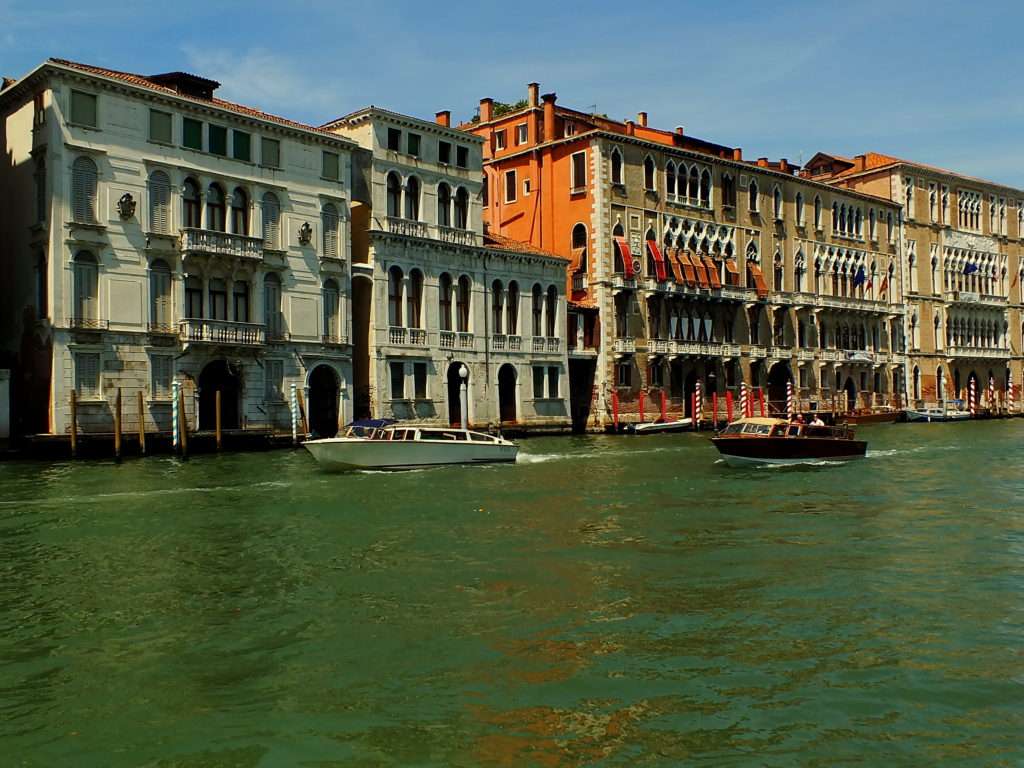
x: 405, y: 447
x: 937, y: 414
x: 653, y: 427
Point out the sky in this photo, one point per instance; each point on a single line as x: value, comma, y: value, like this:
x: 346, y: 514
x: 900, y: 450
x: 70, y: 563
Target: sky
x: 929, y: 80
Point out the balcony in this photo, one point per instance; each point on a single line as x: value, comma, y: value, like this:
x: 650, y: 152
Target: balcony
x: 464, y: 340
x: 805, y: 355
x: 198, y: 330
x: 778, y: 352
x: 397, y: 336
x: 87, y: 324
x: 417, y: 337
x: 863, y: 305
x: 623, y: 283
x: 515, y: 343
x: 687, y: 348
x: 755, y: 351
x: 860, y: 356
x: 207, y: 242
x: 546, y: 343
x: 456, y: 236
x: 734, y: 292
x: 446, y: 339
x: 406, y: 227
x: 624, y: 346
x: 974, y: 298
x: 455, y: 340
x: 660, y: 346
x: 978, y: 353
x: 579, y: 281
x: 334, y: 341
x: 832, y: 355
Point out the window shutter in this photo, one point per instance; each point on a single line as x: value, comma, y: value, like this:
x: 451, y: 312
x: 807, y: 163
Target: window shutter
x: 83, y: 191
x: 159, y: 202
x: 271, y: 222
x: 87, y: 374
x: 330, y: 224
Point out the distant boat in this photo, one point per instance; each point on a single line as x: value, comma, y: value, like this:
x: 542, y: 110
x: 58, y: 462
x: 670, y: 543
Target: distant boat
x: 392, y: 446
x: 937, y: 414
x: 777, y: 441
x: 881, y: 414
x: 653, y: 427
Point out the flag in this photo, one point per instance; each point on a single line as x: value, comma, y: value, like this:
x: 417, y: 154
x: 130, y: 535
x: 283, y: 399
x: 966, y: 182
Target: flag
x: 860, y: 277
x: 970, y: 268
x: 868, y: 284
x: 1016, y: 275
x: 884, y: 286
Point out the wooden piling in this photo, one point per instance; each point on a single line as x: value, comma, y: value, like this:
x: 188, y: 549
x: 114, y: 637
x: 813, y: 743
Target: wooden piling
x: 117, y: 425
x: 74, y: 423
x: 182, y: 424
x: 217, y: 419
x: 302, y: 414
x: 142, y: 424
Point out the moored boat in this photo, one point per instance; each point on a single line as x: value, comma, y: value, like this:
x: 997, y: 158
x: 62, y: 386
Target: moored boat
x: 883, y: 414
x: 937, y: 414
x: 654, y: 427
x: 777, y: 441
x: 404, y: 447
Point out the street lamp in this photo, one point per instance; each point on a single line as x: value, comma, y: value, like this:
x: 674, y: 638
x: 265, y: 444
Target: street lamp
x: 463, y: 396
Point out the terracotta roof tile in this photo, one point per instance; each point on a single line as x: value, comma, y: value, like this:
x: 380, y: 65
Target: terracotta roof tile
x: 144, y: 82
x: 502, y: 243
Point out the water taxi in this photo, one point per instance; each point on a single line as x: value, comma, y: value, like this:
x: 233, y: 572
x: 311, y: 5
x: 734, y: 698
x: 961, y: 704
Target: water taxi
x: 942, y: 413
x: 778, y: 441
x: 384, y: 445
x: 656, y: 427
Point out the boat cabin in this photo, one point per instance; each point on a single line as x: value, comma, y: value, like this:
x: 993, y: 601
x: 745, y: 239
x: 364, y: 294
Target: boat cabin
x: 767, y: 427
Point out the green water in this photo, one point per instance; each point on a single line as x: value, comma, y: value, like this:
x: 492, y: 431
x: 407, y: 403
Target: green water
x: 607, y: 601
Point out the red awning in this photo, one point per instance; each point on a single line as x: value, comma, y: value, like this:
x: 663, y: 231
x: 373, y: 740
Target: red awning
x: 577, y: 260
x: 702, y: 273
x: 689, y: 274
x: 716, y: 281
x: 732, y: 276
x: 659, y: 260
x: 627, y: 257
x: 673, y: 259
x: 759, y: 283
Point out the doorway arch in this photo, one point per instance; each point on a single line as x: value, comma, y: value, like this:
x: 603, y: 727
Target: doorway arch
x: 851, y: 394
x: 324, y: 388
x: 507, y: 393
x: 454, y: 396
x: 778, y: 377
x: 218, y: 376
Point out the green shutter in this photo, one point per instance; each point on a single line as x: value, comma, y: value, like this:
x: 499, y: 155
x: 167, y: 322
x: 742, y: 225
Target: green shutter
x: 217, y: 138
x: 191, y: 133
x: 241, y: 146
x: 270, y: 153
x: 83, y: 109
x: 160, y: 126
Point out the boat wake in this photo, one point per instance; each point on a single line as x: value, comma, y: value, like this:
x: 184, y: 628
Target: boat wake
x: 144, y: 493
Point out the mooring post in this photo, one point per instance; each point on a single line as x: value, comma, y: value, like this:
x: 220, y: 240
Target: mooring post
x: 175, y: 416
x: 217, y: 419
x: 142, y: 425
x: 74, y: 423
x: 302, y: 413
x: 183, y: 423
x: 117, y: 425
x: 295, y: 416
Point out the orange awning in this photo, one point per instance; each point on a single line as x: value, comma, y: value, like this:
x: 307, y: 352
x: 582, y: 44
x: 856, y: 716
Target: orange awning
x: 659, y: 260
x: 672, y: 254
x: 627, y: 257
x: 689, y: 274
x: 759, y: 283
x: 716, y: 281
x: 732, y: 276
x: 702, y: 273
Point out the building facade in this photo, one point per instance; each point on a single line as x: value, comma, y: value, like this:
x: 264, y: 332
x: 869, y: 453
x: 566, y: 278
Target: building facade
x: 963, y: 240
x: 153, y: 234
x: 432, y: 296
x: 689, y: 264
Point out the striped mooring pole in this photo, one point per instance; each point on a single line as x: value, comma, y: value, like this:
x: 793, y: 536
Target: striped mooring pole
x: 789, y: 399
x: 743, y: 399
x: 992, y: 394
x: 698, y: 411
x: 295, y: 416
x: 1009, y: 392
x: 972, y: 397
x: 175, y: 416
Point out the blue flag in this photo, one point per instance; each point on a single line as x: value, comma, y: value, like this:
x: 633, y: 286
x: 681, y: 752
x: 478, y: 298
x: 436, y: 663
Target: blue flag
x: 860, y: 277
x: 969, y: 268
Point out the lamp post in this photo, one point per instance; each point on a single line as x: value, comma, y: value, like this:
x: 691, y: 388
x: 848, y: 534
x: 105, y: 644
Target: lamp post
x: 463, y: 397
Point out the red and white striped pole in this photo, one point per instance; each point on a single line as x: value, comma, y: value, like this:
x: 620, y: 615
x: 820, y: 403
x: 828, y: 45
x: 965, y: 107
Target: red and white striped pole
x: 991, y: 394
x: 972, y: 397
x: 1009, y: 392
x: 698, y: 411
x: 789, y: 399
x: 744, y: 399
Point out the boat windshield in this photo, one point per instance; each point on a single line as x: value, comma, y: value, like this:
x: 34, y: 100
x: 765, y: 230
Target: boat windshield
x: 757, y: 429
x: 443, y: 434
x: 733, y: 429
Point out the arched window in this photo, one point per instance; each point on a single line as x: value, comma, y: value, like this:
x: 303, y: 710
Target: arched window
x: 329, y: 222
x: 412, y: 198
x: 649, y: 172
x: 835, y: 217
x: 332, y: 313
x: 414, y: 318
x: 799, y: 209
x: 728, y: 191
x: 215, y: 212
x: 872, y: 224
x: 705, y: 188
x: 538, y: 310
x: 394, y: 195
x: 752, y: 197
x: 462, y: 208
x: 83, y: 190
x: 240, y: 296
x: 160, y: 296
x: 497, y: 306
x: 271, y: 221
x: 670, y: 179
x: 512, y: 309
x: 652, y: 268
x: 444, y: 205
x: 193, y: 297
x: 272, y: 317
x: 817, y: 212
x: 616, y: 166
x: 551, y: 314
x: 579, y: 246
x: 618, y: 266
x: 159, y: 202
x: 86, y: 278
x: 190, y: 204
x: 240, y: 212
x: 694, y: 190
x: 917, y: 383
x: 444, y: 300
x: 395, y: 297
x: 777, y: 202
x: 462, y: 305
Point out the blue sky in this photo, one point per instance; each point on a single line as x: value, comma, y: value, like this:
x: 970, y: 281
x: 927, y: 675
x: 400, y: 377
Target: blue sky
x: 938, y: 82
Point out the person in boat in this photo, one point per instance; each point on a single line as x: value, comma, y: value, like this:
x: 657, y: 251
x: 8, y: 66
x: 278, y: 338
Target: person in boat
x: 817, y: 422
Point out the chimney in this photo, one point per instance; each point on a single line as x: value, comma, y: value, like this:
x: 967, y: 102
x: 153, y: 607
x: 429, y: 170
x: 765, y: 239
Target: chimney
x: 549, y: 116
x: 630, y: 128
x: 784, y: 165
x: 444, y: 117
x: 737, y: 154
x: 641, y: 119
x: 679, y: 130
x: 532, y: 98
x: 486, y: 110
x: 762, y: 162
x: 860, y: 162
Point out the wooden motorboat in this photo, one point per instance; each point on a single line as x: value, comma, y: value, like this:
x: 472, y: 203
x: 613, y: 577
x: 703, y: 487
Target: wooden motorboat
x: 778, y: 441
x: 404, y: 447
x: 654, y: 427
x: 884, y: 414
x: 937, y: 414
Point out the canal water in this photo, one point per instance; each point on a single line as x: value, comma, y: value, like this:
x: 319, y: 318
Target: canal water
x: 607, y: 601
